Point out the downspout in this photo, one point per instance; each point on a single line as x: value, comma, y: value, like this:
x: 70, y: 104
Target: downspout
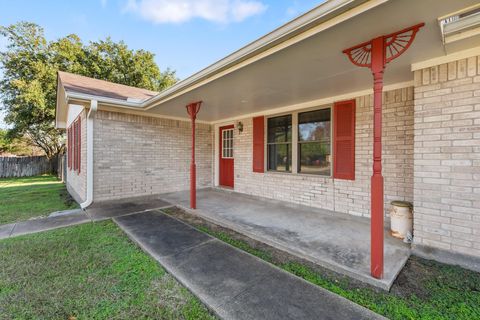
x: 93, y: 108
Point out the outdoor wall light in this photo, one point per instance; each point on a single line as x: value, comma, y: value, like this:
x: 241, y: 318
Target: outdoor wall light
x: 240, y: 126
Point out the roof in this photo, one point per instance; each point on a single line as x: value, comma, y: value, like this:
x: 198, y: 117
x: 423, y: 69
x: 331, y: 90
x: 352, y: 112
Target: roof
x: 95, y: 87
x: 300, y: 64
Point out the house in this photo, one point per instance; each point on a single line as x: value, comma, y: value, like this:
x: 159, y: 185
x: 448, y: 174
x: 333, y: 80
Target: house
x: 291, y: 117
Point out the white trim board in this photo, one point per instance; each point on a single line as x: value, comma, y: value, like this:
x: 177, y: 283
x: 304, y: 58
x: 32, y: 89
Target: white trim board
x: 283, y: 109
x: 315, y: 103
x: 214, y: 71
x: 446, y: 59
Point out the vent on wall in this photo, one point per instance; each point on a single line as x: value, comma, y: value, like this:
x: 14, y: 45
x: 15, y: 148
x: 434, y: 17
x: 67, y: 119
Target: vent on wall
x: 460, y: 25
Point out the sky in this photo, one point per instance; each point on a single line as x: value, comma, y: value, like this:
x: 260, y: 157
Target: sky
x: 184, y: 35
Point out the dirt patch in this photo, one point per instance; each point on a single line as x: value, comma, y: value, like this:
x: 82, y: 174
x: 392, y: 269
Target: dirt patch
x: 66, y: 198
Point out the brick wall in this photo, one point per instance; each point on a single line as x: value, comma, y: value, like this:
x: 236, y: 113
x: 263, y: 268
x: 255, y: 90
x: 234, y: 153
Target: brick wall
x: 136, y: 155
x: 341, y: 195
x: 77, y: 183
x: 447, y: 157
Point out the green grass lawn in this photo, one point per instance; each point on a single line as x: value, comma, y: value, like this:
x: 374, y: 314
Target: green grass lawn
x: 24, y: 198
x: 423, y: 290
x: 90, y: 271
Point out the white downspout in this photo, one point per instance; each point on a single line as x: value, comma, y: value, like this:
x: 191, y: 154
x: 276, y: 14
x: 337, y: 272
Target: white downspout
x: 91, y: 112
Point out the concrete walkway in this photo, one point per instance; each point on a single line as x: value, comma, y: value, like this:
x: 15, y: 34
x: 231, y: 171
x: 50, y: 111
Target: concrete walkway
x: 334, y: 240
x: 97, y: 212
x: 232, y: 283
x: 42, y: 224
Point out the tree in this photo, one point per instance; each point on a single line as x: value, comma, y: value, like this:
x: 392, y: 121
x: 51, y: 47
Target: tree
x: 30, y: 64
x: 18, y: 146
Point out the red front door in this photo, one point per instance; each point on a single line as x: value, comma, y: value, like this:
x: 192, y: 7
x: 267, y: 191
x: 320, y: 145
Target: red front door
x: 226, y: 156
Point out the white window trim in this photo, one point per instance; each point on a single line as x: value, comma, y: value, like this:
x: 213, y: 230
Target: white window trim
x: 294, y: 114
x: 233, y: 142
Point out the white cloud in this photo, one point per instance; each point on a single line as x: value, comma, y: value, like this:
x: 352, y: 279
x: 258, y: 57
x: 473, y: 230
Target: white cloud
x: 178, y: 11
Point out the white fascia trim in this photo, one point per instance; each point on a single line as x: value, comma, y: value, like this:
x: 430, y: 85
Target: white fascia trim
x: 104, y: 100
x: 288, y: 108
x: 122, y: 106
x: 446, y: 59
x: 274, y: 41
x: 150, y: 115
x: 90, y: 116
x: 314, y: 103
x: 268, y: 45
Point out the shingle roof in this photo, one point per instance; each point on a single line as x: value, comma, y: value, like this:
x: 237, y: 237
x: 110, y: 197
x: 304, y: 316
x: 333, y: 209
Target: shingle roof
x: 81, y: 84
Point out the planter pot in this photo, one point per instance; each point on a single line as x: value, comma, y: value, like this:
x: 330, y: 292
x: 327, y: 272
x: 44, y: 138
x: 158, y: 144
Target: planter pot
x: 401, y: 219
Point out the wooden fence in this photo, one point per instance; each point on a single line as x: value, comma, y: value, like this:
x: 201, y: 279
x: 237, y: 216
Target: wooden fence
x: 26, y: 166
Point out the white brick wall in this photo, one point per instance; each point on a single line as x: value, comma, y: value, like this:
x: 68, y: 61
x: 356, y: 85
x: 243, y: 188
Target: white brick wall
x: 136, y: 155
x: 77, y: 183
x: 342, y: 195
x: 447, y: 157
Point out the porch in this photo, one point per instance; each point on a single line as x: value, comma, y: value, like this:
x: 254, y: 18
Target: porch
x: 334, y: 240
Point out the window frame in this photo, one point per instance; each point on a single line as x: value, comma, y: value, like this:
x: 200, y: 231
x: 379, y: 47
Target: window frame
x: 230, y: 148
x: 279, y: 143
x: 330, y: 140
x: 295, y: 141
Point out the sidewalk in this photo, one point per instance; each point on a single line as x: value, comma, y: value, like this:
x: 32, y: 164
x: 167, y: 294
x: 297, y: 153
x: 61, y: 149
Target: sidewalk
x: 96, y: 212
x: 232, y: 283
x: 42, y: 224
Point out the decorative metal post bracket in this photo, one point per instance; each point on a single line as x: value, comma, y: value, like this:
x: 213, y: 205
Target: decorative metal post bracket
x: 375, y: 54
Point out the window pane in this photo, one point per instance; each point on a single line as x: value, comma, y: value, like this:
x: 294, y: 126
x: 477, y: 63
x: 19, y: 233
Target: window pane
x: 279, y: 157
x: 314, y: 125
x: 314, y: 157
x: 227, y: 143
x: 280, y: 129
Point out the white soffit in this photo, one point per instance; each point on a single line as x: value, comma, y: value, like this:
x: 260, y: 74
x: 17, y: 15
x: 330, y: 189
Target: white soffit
x: 316, y: 68
x: 73, y: 111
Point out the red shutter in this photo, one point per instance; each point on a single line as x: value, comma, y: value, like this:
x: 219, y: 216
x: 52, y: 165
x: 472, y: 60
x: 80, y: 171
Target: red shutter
x: 344, y: 140
x: 258, y: 144
x: 69, y: 147
x: 79, y: 144
x: 74, y: 143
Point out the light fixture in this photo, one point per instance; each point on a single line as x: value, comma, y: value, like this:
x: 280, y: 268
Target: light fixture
x: 240, y: 127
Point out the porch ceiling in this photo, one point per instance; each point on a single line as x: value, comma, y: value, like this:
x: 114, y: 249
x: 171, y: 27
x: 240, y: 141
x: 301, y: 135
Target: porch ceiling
x: 315, y: 68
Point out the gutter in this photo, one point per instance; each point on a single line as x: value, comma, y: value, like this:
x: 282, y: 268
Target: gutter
x: 317, y: 15
x: 93, y: 109
x: 104, y: 100
x: 324, y: 16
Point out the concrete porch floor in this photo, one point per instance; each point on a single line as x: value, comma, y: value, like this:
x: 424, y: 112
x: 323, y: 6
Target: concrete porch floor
x: 336, y: 241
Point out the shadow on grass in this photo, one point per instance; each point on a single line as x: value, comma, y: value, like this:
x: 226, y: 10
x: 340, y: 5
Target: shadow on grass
x: 25, y: 198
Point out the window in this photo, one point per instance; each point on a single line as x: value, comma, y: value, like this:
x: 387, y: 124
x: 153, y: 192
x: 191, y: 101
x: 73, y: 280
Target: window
x: 279, y: 143
x: 227, y: 144
x: 308, y: 142
x: 314, y: 142
x: 69, y: 147
x: 74, y: 145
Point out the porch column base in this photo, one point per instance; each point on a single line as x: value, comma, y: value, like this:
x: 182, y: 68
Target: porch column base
x: 193, y: 186
x: 376, y: 225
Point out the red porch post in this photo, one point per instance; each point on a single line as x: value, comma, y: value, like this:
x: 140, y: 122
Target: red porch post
x: 376, y: 187
x: 192, y: 110
x: 375, y: 54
